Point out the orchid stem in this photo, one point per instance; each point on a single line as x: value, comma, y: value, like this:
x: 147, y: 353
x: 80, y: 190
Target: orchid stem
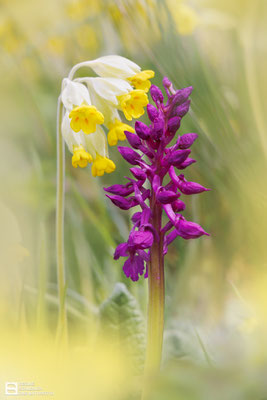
x: 62, y: 315
x: 156, y: 289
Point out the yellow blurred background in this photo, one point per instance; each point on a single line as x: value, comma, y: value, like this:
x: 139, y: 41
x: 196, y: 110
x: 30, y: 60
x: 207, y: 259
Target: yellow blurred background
x: 216, y: 293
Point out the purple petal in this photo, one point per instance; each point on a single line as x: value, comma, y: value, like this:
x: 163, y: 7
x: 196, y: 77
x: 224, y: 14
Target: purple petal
x: 178, y: 205
x: 145, y: 216
x: 122, y: 190
x: 189, y: 230
x: 170, y: 213
x: 121, y: 251
x: 166, y: 196
x: 136, y: 217
x: 141, y: 239
x: 138, y: 173
x: 167, y: 227
x: 121, y: 202
x: 172, y: 236
x: 186, y: 163
x: 156, y: 183
x: 129, y: 155
x: 133, y: 267
x: 187, y: 140
x: 133, y: 139
x: 185, y: 186
x: 145, y: 256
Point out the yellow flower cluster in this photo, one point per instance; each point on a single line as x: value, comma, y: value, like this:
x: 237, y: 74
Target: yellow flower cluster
x: 120, y: 86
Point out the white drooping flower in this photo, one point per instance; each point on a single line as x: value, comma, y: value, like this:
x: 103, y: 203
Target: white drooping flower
x: 114, y: 66
x: 74, y: 94
x: 109, y: 88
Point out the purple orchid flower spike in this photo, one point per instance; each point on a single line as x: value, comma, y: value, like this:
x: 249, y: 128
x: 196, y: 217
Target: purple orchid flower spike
x: 152, y: 159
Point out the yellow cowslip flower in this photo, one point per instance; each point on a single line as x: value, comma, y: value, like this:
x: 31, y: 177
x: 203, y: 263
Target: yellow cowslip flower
x: 133, y: 103
x: 85, y: 118
x: 116, y: 132
x: 102, y: 165
x: 80, y: 157
x: 141, y: 80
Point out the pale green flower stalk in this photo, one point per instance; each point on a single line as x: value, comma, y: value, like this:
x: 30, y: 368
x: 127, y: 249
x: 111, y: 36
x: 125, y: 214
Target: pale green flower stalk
x: 62, y: 315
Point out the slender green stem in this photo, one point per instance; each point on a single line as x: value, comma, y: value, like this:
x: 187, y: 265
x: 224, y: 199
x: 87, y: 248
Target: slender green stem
x: 62, y: 315
x: 156, y: 289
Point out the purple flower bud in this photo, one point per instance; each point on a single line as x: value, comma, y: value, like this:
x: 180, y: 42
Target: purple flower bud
x: 138, y: 173
x: 133, y: 139
x: 186, y: 163
x: 178, y: 206
x: 122, y: 190
x: 166, y: 196
x: 166, y: 82
x: 174, y: 124
x: 142, y: 130
x: 187, y: 140
x: 156, y: 94
x: 183, y: 109
x: 121, y: 251
x: 181, y: 96
x: 152, y: 112
x: 121, y: 202
x: 129, y: 155
x: 189, y: 230
x: 178, y: 157
x: 158, y: 128
x: 133, y: 267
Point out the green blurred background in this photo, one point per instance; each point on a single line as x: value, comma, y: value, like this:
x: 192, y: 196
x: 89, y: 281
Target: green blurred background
x: 216, y: 297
